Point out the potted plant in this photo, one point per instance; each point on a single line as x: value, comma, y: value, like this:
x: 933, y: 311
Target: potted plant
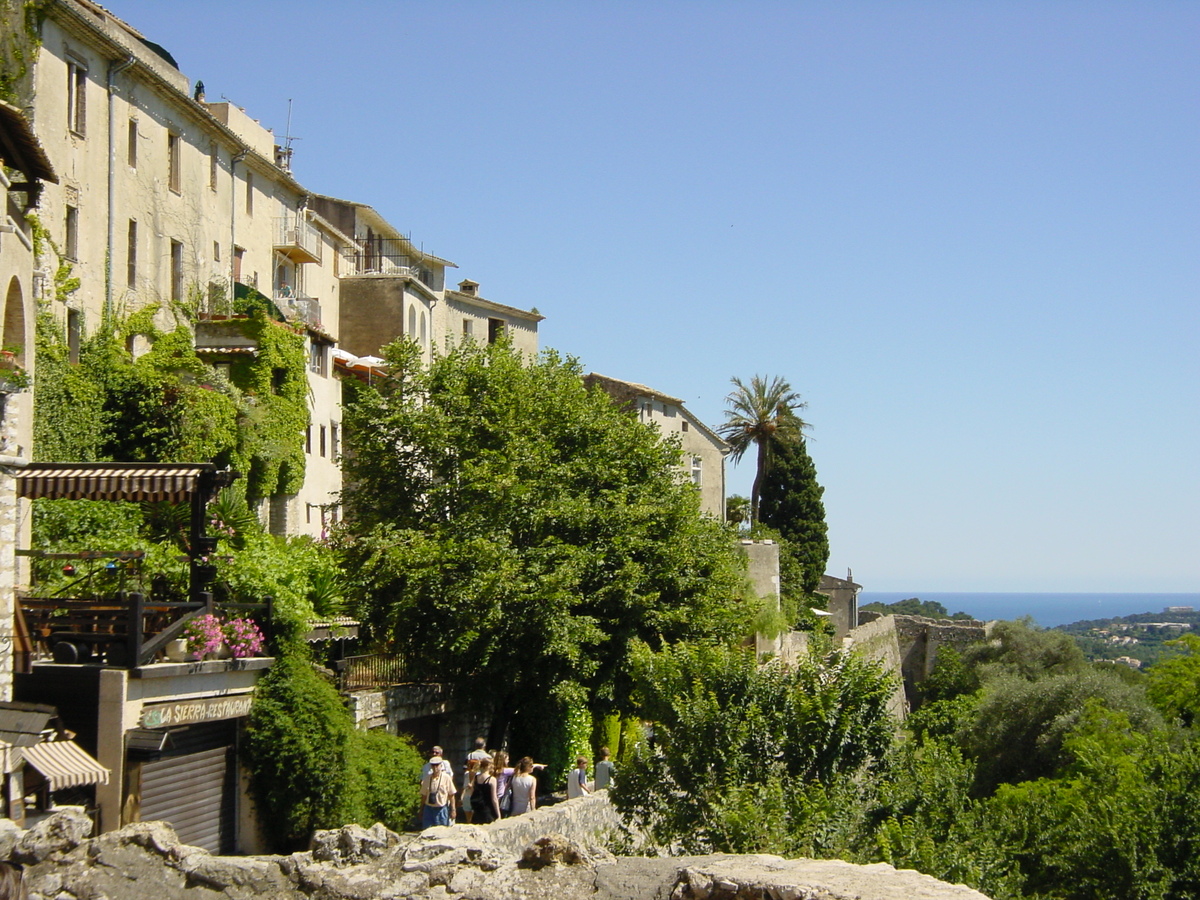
x: 243, y: 638
x: 205, y: 637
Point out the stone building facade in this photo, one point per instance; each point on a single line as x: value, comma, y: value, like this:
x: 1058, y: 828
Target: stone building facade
x: 703, y: 452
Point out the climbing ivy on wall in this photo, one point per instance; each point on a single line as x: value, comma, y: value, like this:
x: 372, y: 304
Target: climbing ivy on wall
x: 276, y: 393
x: 19, y: 45
x: 169, y: 405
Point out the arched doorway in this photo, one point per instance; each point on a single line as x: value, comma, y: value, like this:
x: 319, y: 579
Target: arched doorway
x: 14, y: 321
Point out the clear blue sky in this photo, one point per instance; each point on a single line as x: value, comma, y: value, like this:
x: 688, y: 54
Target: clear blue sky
x: 966, y: 232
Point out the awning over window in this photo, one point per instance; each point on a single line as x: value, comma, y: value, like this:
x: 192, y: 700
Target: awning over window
x: 111, y: 481
x: 65, y: 764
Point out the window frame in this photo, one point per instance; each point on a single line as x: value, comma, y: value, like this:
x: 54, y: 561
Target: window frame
x: 174, y: 163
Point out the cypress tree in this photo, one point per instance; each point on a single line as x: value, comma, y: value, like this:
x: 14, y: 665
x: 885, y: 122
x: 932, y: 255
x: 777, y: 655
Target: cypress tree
x: 791, y: 504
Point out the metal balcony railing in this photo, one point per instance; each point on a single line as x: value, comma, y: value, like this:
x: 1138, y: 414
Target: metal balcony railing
x: 297, y: 306
x: 385, y: 256
x: 297, y: 239
x: 364, y: 673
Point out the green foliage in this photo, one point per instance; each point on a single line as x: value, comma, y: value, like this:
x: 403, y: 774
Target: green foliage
x: 732, y: 736
x: 763, y: 415
x: 18, y: 48
x: 169, y: 405
x: 1174, y: 684
x: 1022, y: 649
x: 514, y: 533
x: 1020, y: 726
x: 276, y: 387
x: 791, y: 503
x: 384, y: 779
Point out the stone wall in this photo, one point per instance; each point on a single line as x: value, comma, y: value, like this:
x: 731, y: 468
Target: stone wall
x: 920, y: 639
x: 145, y: 861
x: 878, y: 640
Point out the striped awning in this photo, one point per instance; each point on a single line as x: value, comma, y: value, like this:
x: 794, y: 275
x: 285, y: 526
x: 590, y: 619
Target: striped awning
x: 111, y: 481
x: 65, y: 764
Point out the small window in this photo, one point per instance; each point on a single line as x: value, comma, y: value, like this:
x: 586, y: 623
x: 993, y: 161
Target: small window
x: 495, y: 330
x: 239, y: 256
x: 423, y: 331
x: 468, y: 328
x: 278, y: 379
x: 71, y: 233
x: 174, y: 170
x: 213, y: 162
x: 683, y: 426
x: 131, y: 240
x: 698, y: 470
x: 334, y: 440
x: 316, y: 358
x: 74, y: 334
x: 412, y: 322
x: 216, y: 251
x: 176, y: 271
x: 76, y: 97
x: 249, y: 193
x: 132, y: 142
x: 308, y: 439
x: 322, y: 440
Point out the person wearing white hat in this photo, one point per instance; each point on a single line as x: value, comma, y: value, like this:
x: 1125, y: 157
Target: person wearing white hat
x: 437, y: 795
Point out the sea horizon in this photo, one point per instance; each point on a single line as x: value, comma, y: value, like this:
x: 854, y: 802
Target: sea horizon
x: 1047, y: 609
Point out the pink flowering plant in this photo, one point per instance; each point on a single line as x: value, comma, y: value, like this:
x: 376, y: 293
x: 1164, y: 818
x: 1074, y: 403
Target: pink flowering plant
x: 243, y: 638
x: 204, y: 635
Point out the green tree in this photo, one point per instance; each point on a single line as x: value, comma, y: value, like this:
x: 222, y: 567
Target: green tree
x: 1174, y: 683
x: 791, y: 504
x: 737, y: 744
x: 311, y: 768
x: 737, y: 509
x: 762, y: 415
x: 512, y: 533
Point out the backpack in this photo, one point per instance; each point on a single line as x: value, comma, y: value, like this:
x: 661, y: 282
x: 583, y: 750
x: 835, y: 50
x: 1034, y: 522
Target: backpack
x: 506, y: 797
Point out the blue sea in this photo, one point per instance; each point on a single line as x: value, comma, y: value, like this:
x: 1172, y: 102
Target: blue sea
x: 1047, y: 610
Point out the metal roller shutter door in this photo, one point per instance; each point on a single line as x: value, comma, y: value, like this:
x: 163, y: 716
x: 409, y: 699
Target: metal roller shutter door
x: 194, y: 791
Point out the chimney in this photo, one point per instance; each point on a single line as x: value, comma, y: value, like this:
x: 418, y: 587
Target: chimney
x: 467, y: 286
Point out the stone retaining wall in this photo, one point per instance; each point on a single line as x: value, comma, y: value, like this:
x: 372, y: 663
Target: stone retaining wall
x: 145, y: 861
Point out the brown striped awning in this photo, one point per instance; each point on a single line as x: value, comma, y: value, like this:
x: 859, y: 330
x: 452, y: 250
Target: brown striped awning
x: 111, y: 481
x: 65, y: 764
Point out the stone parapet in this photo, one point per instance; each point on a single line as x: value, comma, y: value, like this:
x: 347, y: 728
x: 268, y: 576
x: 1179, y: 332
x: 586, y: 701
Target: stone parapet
x: 145, y: 861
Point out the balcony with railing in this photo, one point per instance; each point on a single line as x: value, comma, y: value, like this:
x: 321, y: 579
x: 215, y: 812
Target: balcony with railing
x: 299, y: 308
x: 297, y: 239
x: 386, y: 256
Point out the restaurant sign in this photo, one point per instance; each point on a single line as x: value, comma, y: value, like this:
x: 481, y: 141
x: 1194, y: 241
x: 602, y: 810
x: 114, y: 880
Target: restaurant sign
x: 190, y: 712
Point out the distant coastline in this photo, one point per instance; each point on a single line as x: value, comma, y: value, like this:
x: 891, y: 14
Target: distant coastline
x: 1047, y: 609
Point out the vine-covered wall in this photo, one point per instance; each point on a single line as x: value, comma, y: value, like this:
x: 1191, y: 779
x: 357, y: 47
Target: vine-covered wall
x: 19, y: 45
x: 170, y: 405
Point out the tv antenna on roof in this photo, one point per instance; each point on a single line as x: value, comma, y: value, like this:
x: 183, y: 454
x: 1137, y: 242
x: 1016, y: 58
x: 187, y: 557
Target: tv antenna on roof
x: 283, y: 154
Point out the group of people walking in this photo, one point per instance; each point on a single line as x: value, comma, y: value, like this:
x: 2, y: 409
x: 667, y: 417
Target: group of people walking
x: 491, y: 789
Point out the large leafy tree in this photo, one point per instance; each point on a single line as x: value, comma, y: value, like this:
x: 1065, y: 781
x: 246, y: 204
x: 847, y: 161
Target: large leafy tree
x: 512, y: 533
x: 762, y: 415
x: 791, y: 504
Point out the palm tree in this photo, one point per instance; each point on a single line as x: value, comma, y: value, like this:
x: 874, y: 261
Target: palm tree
x: 761, y: 415
x: 737, y: 509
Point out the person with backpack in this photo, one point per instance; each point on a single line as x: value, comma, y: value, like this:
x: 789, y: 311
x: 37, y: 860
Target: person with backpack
x: 437, y: 795
x: 503, y: 773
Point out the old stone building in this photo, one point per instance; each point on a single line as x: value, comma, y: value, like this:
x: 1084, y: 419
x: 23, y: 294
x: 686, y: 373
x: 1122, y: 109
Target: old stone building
x: 703, y: 452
